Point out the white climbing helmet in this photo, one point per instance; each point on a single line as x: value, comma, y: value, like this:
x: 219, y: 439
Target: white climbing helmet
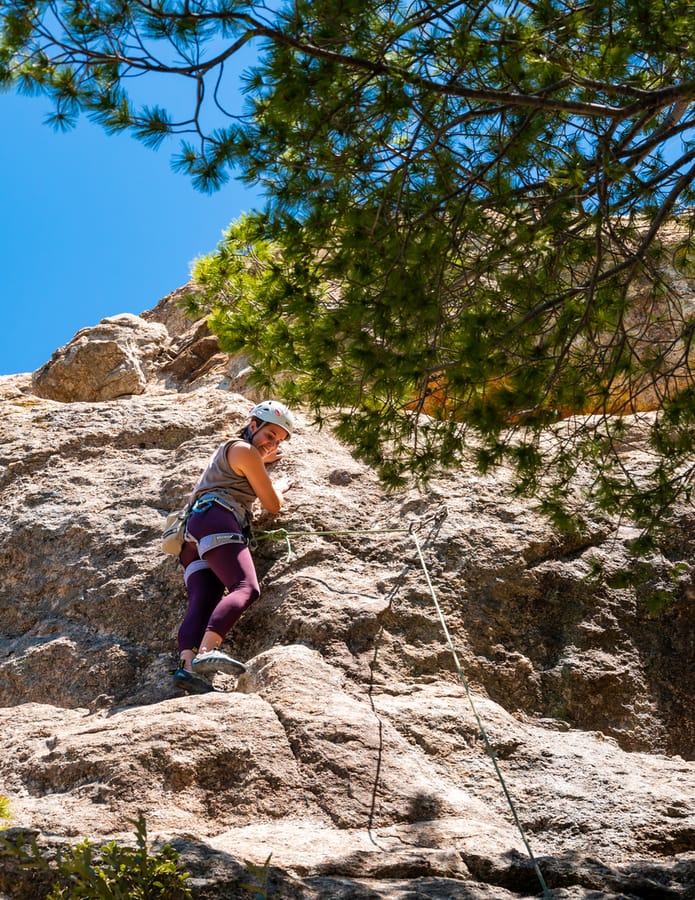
x: 277, y: 413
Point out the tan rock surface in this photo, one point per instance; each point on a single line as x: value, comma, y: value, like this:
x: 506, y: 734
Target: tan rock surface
x: 349, y: 750
x: 112, y: 359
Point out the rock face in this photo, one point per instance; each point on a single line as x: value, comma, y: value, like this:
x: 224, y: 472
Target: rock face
x: 352, y: 748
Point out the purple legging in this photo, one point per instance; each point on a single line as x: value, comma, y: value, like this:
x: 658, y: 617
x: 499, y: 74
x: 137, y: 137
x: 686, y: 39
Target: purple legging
x: 229, y: 566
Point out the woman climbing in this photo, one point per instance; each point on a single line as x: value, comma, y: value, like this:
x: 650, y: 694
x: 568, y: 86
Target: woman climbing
x: 220, y: 576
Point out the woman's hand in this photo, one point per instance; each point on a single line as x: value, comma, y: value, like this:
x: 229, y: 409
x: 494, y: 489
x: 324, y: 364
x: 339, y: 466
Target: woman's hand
x: 274, y: 455
x: 247, y: 461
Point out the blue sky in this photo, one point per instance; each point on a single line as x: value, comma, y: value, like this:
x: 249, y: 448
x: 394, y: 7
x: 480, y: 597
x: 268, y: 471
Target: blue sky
x: 92, y: 225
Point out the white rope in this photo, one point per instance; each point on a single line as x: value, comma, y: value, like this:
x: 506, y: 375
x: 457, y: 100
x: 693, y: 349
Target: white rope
x: 488, y: 745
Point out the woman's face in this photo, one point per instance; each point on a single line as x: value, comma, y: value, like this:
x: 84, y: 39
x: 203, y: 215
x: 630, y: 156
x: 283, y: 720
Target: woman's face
x: 267, y: 437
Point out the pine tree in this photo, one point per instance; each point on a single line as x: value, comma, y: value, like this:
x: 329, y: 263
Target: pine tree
x: 477, y: 214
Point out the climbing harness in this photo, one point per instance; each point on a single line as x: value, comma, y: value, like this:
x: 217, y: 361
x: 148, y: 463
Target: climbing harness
x: 437, y: 519
x: 196, y: 566
x: 206, y: 500
x: 212, y: 541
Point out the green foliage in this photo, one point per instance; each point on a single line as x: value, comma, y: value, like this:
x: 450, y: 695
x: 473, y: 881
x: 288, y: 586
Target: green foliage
x: 469, y: 222
x: 260, y: 878
x: 112, y: 872
x: 5, y: 808
x: 657, y: 585
x: 344, y: 352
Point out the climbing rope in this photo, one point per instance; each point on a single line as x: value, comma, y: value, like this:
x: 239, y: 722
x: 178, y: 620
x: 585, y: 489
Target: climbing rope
x: 283, y: 534
x: 488, y: 746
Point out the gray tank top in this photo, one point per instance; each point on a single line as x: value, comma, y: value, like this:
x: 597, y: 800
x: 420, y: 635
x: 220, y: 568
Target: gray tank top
x: 219, y: 478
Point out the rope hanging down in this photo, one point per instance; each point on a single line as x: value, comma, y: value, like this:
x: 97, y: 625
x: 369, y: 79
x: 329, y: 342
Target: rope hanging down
x: 488, y: 746
x: 283, y: 534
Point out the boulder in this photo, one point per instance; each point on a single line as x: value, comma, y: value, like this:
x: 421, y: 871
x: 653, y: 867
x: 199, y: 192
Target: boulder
x: 112, y: 359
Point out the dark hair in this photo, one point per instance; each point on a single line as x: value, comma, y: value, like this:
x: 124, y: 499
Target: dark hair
x: 246, y: 432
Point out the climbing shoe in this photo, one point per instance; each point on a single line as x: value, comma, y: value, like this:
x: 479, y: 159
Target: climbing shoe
x: 191, y: 683
x: 217, y: 661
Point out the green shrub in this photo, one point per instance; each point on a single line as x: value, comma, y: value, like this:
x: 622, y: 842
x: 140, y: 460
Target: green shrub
x: 260, y: 875
x: 111, y: 872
